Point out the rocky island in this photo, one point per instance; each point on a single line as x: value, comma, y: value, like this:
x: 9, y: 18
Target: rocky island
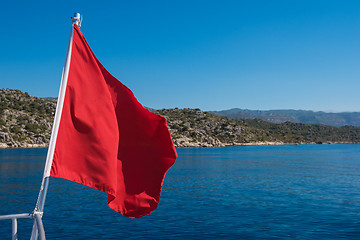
x: 26, y: 121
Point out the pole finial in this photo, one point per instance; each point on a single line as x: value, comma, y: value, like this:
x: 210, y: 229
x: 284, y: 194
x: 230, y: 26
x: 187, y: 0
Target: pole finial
x: 77, y: 19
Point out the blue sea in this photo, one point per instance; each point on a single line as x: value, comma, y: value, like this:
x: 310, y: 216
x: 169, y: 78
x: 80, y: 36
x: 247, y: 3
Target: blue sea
x: 244, y: 192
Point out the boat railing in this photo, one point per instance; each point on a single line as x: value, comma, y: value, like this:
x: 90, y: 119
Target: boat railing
x: 34, y: 215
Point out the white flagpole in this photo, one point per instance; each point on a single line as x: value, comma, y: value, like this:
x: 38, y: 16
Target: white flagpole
x: 39, y: 208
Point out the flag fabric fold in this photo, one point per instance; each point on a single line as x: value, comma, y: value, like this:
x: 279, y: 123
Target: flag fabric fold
x: 107, y: 140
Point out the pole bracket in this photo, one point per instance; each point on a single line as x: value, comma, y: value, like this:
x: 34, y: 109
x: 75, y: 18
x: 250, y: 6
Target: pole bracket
x: 77, y: 19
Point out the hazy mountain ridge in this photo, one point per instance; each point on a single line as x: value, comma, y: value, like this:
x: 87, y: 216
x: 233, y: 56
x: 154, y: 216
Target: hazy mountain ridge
x: 26, y: 121
x: 296, y: 116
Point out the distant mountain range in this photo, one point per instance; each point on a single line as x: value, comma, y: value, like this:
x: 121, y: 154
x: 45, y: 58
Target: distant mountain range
x: 296, y: 116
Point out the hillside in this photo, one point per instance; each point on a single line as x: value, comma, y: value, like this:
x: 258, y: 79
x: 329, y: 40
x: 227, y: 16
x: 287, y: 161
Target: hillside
x: 297, y: 116
x: 305, y: 133
x: 195, y: 128
x: 25, y: 121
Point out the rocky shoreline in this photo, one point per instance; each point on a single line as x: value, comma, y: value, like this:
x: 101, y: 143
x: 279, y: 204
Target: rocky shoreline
x: 180, y: 143
x: 23, y: 145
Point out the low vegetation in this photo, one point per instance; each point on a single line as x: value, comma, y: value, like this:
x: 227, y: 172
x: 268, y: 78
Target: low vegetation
x: 26, y: 121
x: 289, y: 132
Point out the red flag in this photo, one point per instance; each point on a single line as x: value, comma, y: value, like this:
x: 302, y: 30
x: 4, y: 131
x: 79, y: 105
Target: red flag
x: 107, y: 140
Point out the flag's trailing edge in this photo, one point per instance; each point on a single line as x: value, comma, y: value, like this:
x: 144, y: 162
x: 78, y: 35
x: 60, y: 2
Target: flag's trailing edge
x: 107, y: 140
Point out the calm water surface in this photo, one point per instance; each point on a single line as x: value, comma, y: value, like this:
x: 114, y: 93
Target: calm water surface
x: 253, y: 192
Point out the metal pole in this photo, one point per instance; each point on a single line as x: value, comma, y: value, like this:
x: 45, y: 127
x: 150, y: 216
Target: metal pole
x: 40, y: 226
x: 12, y: 216
x: 14, y: 229
x: 42, y: 201
x: 50, y: 154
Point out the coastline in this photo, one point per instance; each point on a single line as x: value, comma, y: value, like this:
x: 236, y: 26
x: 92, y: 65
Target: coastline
x: 26, y: 122
x: 192, y: 145
x: 23, y: 145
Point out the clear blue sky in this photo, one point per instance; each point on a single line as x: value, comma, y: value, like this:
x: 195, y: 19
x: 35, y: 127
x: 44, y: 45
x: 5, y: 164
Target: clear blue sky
x: 211, y: 55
